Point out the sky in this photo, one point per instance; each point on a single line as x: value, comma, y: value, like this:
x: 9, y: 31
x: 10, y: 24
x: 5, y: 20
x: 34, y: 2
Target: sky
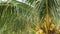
x: 10, y: 0
x: 20, y: 0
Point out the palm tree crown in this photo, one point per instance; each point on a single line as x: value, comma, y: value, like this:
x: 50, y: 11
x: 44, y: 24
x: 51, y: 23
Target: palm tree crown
x: 29, y: 17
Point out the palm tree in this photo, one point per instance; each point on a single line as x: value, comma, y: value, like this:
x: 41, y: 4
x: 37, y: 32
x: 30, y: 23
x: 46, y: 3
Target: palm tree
x: 30, y: 17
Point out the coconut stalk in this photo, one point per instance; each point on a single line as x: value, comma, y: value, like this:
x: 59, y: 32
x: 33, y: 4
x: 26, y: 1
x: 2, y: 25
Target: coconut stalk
x: 46, y: 19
